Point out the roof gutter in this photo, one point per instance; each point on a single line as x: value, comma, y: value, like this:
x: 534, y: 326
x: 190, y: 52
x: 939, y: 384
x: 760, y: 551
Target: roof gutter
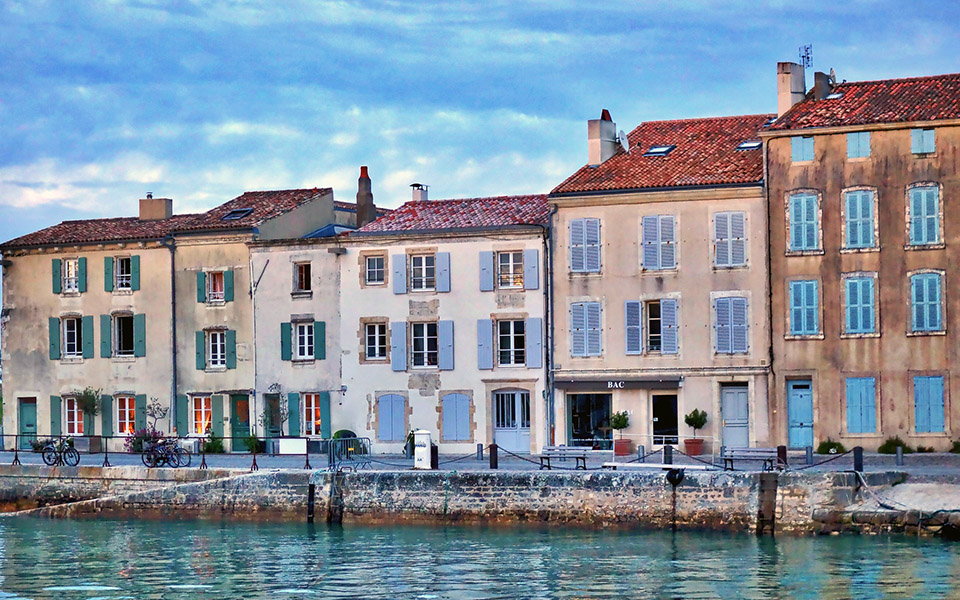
x: 671, y: 188
x: 514, y: 227
x: 8, y: 246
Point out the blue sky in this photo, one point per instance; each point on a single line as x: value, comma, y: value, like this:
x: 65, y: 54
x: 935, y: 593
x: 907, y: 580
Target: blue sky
x: 103, y: 101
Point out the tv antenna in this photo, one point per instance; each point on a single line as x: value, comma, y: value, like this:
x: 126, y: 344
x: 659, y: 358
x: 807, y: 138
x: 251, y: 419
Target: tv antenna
x: 806, y: 56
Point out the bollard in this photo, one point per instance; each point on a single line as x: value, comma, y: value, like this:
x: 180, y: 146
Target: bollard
x: 858, y: 459
x: 668, y: 454
x: 434, y: 457
x: 899, y: 456
x: 479, y: 451
x: 494, y: 462
x: 106, y: 453
x: 307, y: 456
x: 809, y: 450
x: 782, y: 456
x: 641, y: 451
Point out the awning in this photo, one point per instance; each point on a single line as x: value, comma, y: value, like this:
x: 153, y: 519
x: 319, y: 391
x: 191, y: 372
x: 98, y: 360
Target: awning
x: 641, y: 383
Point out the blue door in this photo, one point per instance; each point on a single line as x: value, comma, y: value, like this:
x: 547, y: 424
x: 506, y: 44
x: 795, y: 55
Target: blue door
x: 28, y: 422
x: 800, y: 412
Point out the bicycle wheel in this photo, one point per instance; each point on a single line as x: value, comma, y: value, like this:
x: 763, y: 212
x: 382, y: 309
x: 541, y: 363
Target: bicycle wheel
x: 49, y: 456
x: 151, y: 458
x: 181, y: 456
x: 71, y: 457
x: 145, y: 458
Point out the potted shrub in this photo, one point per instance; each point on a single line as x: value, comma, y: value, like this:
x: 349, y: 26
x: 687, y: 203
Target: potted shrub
x: 88, y: 401
x: 620, y: 421
x: 696, y: 419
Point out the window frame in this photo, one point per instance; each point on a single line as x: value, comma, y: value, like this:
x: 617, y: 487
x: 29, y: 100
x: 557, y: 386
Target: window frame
x: 730, y: 297
x: 213, y: 295
x: 855, y: 140
x: 214, y: 360
x: 586, y: 304
x: 730, y: 240
x: 798, y: 149
x: 117, y: 352
x: 923, y: 150
x: 127, y: 415
x: 791, y: 226
x: 122, y: 281
x: 428, y: 282
x: 309, y: 426
x: 924, y: 245
x: 648, y: 320
x: 845, y: 220
x: 303, y: 285
x: 382, y: 333
x: 516, y: 353
x: 72, y: 426
x: 304, y: 341
x: 585, y: 246
x: 70, y: 284
x: 426, y: 354
x: 941, y: 304
x: 367, y: 280
x: 205, y: 409
x: 515, y: 269
x: 875, y: 315
x: 77, y: 335
x: 817, y: 332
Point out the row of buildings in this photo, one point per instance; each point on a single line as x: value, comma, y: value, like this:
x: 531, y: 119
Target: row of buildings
x: 786, y: 273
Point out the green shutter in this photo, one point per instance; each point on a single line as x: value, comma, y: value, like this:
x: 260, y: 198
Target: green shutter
x: 286, y: 347
x: 183, y: 415
x: 293, y: 414
x: 324, y: 398
x: 228, y: 286
x: 217, y: 416
x: 231, y: 340
x: 106, y: 336
x: 55, y: 416
x: 87, y: 325
x: 106, y: 416
x: 135, y: 272
x: 139, y: 335
x: 140, y: 411
x: 201, y: 286
x: 319, y: 340
x: 54, y: 326
x: 82, y: 274
x: 57, y: 272
x: 201, y: 355
x: 108, y: 273
x: 87, y: 424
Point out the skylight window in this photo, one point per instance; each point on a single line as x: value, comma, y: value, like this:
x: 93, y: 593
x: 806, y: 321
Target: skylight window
x: 749, y: 145
x: 770, y: 121
x: 661, y: 150
x: 236, y: 214
x: 834, y: 95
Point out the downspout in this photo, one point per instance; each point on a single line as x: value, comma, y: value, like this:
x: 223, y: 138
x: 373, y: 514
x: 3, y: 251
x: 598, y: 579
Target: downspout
x: 171, y: 245
x: 548, y: 325
x: 773, y: 415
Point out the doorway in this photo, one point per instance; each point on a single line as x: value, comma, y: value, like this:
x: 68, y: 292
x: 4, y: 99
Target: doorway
x: 800, y: 413
x: 28, y: 422
x: 511, y: 428
x: 589, y: 423
x: 272, y: 421
x: 735, y: 411
x: 239, y: 421
x: 665, y: 427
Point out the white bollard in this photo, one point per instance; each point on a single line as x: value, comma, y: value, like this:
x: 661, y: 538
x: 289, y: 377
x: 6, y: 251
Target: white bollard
x: 421, y: 449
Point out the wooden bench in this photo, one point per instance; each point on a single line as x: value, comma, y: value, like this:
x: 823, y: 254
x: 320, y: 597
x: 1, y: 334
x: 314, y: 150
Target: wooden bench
x: 768, y: 455
x: 563, y: 453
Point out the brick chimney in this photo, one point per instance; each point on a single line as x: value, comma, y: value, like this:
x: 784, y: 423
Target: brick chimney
x: 419, y: 192
x: 155, y: 209
x: 601, y: 139
x: 366, y: 211
x: 791, y: 86
x: 821, y: 85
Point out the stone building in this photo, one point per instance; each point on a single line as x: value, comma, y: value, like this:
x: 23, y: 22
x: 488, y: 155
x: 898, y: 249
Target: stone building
x: 865, y: 333
x: 659, y: 302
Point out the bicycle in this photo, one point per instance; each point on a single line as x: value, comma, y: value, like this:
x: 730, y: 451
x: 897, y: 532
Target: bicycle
x: 60, y: 453
x: 166, y: 452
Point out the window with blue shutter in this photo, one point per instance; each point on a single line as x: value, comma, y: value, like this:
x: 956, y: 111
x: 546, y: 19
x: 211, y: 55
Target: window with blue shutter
x: 668, y: 325
x: 731, y: 325
x: 859, y: 301
x: 925, y: 215
x: 445, y: 339
x: 443, y: 271
x: 923, y: 141
x: 804, y: 309
x: 486, y: 271
x: 585, y: 245
x: 586, y: 339
x: 729, y: 239
x: 391, y: 418
x: 398, y: 346
x: 801, y: 148
x: 534, y: 343
x: 634, y: 327
x: 925, y: 302
x: 861, y: 405
x: 531, y: 269
x: 858, y: 144
x: 658, y: 241
x: 804, y: 228
x: 455, y: 410
x: 858, y: 213
x: 398, y: 264
x: 928, y: 404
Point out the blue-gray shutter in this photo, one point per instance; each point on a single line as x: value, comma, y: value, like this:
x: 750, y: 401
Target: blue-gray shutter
x: 916, y: 141
x: 534, y: 339
x: 594, y: 329
x: 385, y: 418
x: 739, y: 327
x: 201, y: 286
x: 216, y: 415
x: 649, y: 238
x: 463, y: 418
x: 531, y: 269
x: 484, y: 344
x: 633, y: 327
x: 320, y: 340
x: 201, y: 351
x: 577, y: 245
x: 668, y: 325
x: 449, y: 414
x: 591, y: 234
x: 81, y: 274
x: 443, y: 271
x: 668, y: 242
x: 293, y: 414
x: 87, y: 325
x: 106, y: 337
x: 721, y: 236
x: 398, y: 345
x: 135, y: 272
x: 578, y: 329
x: 106, y: 416
x: 486, y: 271
x: 140, y: 335
x: 183, y: 415
x: 399, y: 264
x: 140, y: 411
x: 721, y: 307
x: 738, y: 239
x: 53, y: 325
x: 399, y: 418
x: 231, y: 343
x: 445, y: 339
x: 57, y: 272
x: 108, y: 273
x: 228, y: 286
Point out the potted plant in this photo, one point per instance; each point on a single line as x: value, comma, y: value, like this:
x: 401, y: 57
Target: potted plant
x: 88, y: 401
x: 696, y: 419
x: 620, y: 421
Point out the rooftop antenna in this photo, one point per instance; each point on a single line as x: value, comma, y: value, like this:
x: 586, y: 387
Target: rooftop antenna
x: 624, y: 142
x: 806, y: 56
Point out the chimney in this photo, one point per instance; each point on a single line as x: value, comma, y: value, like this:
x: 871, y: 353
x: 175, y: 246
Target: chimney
x: 419, y: 192
x: 821, y: 85
x: 791, y: 86
x: 155, y: 209
x: 366, y: 211
x: 601, y: 139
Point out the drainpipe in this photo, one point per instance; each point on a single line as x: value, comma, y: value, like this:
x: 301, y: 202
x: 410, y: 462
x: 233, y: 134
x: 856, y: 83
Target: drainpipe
x: 772, y: 378
x: 548, y: 324
x: 171, y: 245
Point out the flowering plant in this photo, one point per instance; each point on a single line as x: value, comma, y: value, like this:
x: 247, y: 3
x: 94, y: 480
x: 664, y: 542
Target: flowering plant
x: 135, y: 443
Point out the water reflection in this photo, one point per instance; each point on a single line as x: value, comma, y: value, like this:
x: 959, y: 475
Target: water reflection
x: 124, y: 559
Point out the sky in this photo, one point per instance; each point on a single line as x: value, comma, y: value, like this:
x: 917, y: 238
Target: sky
x: 101, y: 102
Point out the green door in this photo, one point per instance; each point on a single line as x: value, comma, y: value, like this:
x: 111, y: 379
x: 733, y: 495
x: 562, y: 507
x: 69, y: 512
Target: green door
x: 28, y: 421
x: 239, y: 421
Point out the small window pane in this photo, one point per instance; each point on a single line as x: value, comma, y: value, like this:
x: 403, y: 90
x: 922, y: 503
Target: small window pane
x: 374, y: 270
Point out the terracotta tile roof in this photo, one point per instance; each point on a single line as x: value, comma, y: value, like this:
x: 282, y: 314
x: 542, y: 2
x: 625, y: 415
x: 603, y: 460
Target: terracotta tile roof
x: 884, y: 101
x: 468, y: 213
x: 352, y: 207
x: 100, y: 230
x: 263, y: 206
x: 705, y: 154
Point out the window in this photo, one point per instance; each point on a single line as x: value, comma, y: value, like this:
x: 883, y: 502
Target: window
x: 312, y: 419
x: 425, y: 345
x: 202, y: 415
x: 804, y: 232
x: 423, y: 272
x: 732, y: 326
x: 376, y: 341
x: 72, y: 337
x: 510, y: 269
x: 801, y: 148
x: 924, y: 215
x: 71, y: 275
x: 585, y: 329
x: 923, y: 141
x: 928, y: 404
x: 302, y: 281
x: 236, y: 214
x: 585, y: 246
x: 123, y: 335
x: 654, y: 327
x: 834, y: 96
x: 859, y: 301
x: 658, y: 242
x: 375, y: 270
x: 858, y: 144
x: 304, y: 345
x: 126, y: 415
x: 925, y: 302
x: 804, y: 308
x: 750, y: 145
x: 661, y: 150
x: 512, y: 344
x: 215, y: 286
x: 216, y: 349
x: 74, y: 416
x: 123, y: 273
x: 730, y: 239
x: 858, y: 218
x: 861, y: 405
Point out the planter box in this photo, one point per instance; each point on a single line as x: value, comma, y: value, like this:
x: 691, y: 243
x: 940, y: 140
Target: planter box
x: 88, y: 445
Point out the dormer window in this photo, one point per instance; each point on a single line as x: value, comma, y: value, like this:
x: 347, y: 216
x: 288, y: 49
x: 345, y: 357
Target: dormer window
x: 749, y: 145
x: 770, y: 121
x: 661, y: 150
x: 834, y: 96
x: 236, y: 214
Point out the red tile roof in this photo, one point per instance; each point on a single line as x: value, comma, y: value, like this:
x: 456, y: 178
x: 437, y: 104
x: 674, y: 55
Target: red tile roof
x: 264, y: 205
x: 468, y: 213
x: 705, y: 154
x: 352, y: 207
x: 884, y: 101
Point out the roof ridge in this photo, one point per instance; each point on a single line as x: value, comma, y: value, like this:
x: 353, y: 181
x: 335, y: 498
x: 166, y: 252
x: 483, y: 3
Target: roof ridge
x: 901, y: 79
x: 476, y: 198
x: 692, y: 119
x: 307, y: 189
